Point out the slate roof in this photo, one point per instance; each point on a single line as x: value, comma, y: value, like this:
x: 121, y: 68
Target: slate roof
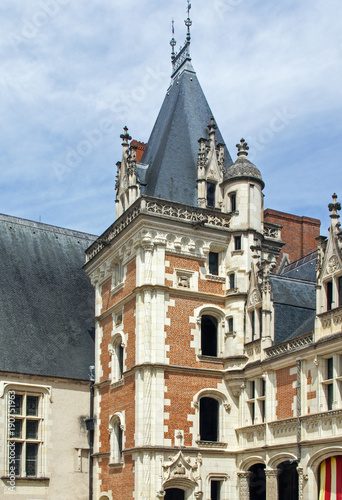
x: 302, y: 269
x: 172, y: 149
x: 294, y: 307
x: 47, y: 301
x: 243, y: 169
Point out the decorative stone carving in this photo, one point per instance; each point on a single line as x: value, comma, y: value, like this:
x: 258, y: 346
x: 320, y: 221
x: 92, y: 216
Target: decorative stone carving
x: 272, y: 484
x: 254, y: 297
x: 333, y: 264
x: 180, y: 472
x: 183, y: 281
x: 244, y: 484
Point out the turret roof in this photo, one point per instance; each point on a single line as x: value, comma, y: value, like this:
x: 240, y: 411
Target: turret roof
x: 172, y: 149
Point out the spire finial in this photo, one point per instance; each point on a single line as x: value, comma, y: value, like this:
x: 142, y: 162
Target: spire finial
x: 125, y: 137
x: 212, y: 125
x: 242, y: 148
x: 188, y: 22
x: 334, y: 207
x: 173, y: 41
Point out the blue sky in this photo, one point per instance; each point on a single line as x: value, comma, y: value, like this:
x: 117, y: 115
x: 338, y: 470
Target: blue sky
x: 74, y: 73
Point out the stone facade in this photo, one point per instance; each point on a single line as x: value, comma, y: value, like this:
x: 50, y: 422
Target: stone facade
x: 62, y: 467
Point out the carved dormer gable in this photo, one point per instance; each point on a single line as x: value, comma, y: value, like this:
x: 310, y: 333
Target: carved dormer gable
x: 332, y: 261
x: 183, y: 472
x: 254, y: 297
x: 332, y: 255
x: 210, y: 169
x: 211, y: 157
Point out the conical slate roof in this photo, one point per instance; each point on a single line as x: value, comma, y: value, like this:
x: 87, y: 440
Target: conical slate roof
x: 243, y: 168
x: 172, y: 149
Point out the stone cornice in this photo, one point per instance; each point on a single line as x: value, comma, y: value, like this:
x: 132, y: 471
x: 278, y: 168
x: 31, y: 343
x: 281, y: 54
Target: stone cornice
x: 163, y: 209
x: 208, y: 297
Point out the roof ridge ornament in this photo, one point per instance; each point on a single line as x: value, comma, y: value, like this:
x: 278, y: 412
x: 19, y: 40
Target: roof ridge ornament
x: 173, y: 42
x: 242, y: 148
x: 188, y: 23
x: 183, y: 54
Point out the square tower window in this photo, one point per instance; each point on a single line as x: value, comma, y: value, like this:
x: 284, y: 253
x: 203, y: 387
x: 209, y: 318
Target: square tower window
x: 213, y: 263
x: 237, y: 242
x: 232, y: 198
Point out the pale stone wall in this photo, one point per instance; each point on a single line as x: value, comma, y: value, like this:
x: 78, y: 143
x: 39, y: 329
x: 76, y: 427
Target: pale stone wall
x: 63, y: 463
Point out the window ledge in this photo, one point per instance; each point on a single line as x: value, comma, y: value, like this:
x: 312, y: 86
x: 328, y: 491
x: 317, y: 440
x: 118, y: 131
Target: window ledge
x: 213, y: 277
x: 211, y: 359
x: 211, y: 444
x: 231, y: 291
x: 28, y: 478
x: 116, y: 465
x: 236, y: 252
x: 117, y: 383
x: 116, y: 288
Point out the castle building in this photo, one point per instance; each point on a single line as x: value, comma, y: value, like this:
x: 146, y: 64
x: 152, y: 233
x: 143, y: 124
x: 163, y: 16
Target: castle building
x: 218, y: 357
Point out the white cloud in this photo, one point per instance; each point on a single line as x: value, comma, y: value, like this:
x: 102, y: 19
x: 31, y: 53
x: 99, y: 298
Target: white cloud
x: 65, y: 72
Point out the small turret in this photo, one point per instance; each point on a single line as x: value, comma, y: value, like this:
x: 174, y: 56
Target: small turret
x: 242, y: 185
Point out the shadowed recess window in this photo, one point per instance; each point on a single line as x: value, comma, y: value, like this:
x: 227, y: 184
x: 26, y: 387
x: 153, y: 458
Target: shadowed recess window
x: 330, y: 386
x: 174, y: 494
x: 232, y: 281
x: 329, y: 288
x: 237, y: 242
x: 116, y: 440
x: 233, y: 202
x: 213, y: 263
x: 257, y: 482
x: 215, y: 489
x: 288, y: 481
x: 211, y: 188
x: 209, y: 411
x: 209, y: 335
x: 340, y: 291
x: 231, y: 324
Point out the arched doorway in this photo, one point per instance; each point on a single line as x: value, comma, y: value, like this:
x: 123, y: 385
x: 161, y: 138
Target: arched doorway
x: 257, y: 482
x: 330, y: 477
x: 288, y: 481
x: 174, y: 494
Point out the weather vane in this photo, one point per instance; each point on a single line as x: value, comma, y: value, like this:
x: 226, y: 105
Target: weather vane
x: 173, y: 41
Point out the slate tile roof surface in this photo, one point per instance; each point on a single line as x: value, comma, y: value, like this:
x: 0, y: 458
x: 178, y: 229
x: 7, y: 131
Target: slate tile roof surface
x: 302, y: 269
x: 172, y: 149
x: 47, y: 301
x: 294, y: 307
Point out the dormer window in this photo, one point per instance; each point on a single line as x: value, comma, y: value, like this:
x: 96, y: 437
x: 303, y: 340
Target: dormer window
x: 211, y: 189
x: 329, y: 291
